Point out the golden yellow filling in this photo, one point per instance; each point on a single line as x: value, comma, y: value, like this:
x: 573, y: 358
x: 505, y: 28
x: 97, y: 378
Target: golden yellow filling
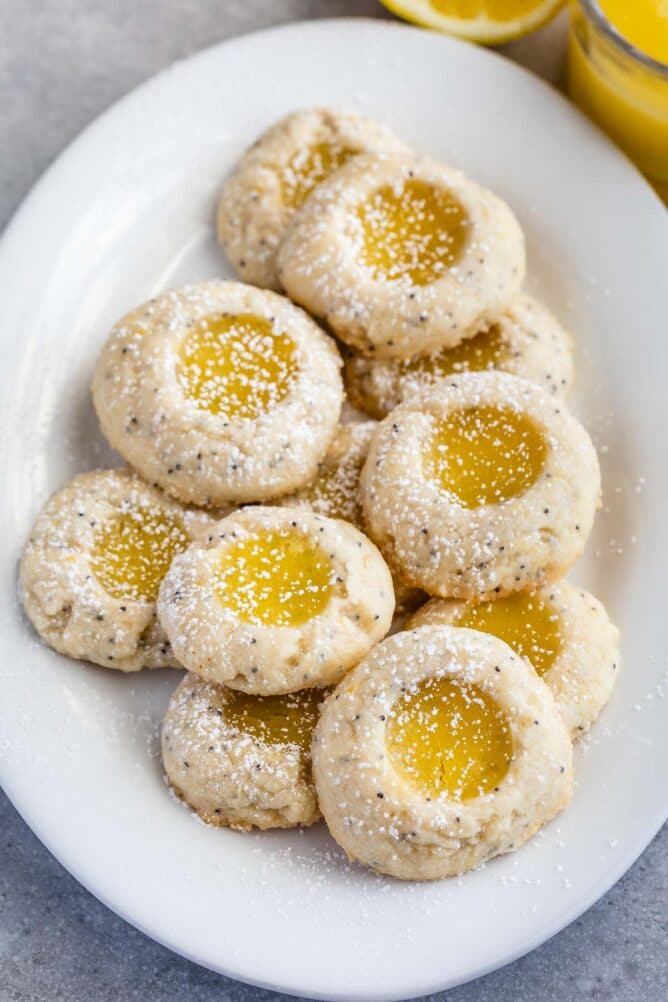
x: 484, y: 455
x: 276, y: 720
x: 236, y: 366
x: 308, y: 168
x: 449, y: 738
x: 132, y: 552
x: 643, y: 23
x: 524, y: 622
x: 276, y: 577
x: 414, y: 231
x: 484, y: 351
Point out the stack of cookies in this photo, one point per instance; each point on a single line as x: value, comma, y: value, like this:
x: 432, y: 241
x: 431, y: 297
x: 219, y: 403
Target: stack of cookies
x: 353, y: 491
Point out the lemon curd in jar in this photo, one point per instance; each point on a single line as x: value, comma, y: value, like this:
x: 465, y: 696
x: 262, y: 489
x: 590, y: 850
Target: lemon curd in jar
x: 484, y: 455
x: 133, y: 550
x: 413, y: 232
x: 308, y: 168
x: 643, y: 23
x: 276, y: 720
x: 449, y: 737
x: 483, y: 351
x: 523, y: 621
x: 236, y: 366
x: 275, y: 577
x: 618, y: 75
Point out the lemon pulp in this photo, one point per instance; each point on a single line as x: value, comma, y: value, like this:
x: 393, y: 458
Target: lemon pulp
x: 495, y: 10
x: 415, y: 232
x: 236, y: 366
x: 449, y: 738
x: 276, y: 577
x: 483, y: 351
x: 275, y: 720
x: 524, y: 622
x: 307, y: 168
x: 484, y: 455
x: 133, y: 550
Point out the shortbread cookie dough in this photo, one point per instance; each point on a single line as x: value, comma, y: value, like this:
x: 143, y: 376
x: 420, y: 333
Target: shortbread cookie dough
x: 276, y: 175
x: 240, y: 760
x: 92, y: 567
x: 485, y: 487
x: 219, y: 392
x: 525, y: 340
x: 276, y: 600
x: 563, y: 631
x: 335, y: 492
x: 442, y: 749
x: 402, y: 255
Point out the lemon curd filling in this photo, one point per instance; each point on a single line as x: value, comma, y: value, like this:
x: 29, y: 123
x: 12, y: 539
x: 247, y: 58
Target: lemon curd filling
x: 236, y: 366
x: 414, y: 231
x: 308, y: 168
x: 483, y: 351
x: 449, y: 738
x: 275, y: 720
x: 484, y: 455
x: 132, y: 552
x: 276, y: 577
x: 524, y: 622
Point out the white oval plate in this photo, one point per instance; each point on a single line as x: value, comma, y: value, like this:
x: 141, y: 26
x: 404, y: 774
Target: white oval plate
x: 128, y: 210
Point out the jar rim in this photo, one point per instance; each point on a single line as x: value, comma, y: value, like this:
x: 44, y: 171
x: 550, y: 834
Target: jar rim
x: 593, y: 11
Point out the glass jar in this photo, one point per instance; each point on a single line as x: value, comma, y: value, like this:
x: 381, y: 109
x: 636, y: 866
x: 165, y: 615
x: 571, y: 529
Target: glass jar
x: 621, y: 88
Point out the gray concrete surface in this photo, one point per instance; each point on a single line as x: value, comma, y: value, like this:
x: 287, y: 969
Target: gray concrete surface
x: 61, y: 63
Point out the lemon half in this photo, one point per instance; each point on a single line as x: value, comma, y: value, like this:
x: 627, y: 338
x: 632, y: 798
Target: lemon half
x: 488, y: 21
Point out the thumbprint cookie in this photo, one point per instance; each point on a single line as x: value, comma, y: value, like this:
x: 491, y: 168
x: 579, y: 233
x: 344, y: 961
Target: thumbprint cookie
x: 219, y: 392
x: 402, y: 256
x: 240, y: 760
x: 485, y: 487
x: 91, y: 570
x: 525, y: 340
x: 441, y: 750
x: 275, y: 600
x: 561, y: 630
x: 276, y: 175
